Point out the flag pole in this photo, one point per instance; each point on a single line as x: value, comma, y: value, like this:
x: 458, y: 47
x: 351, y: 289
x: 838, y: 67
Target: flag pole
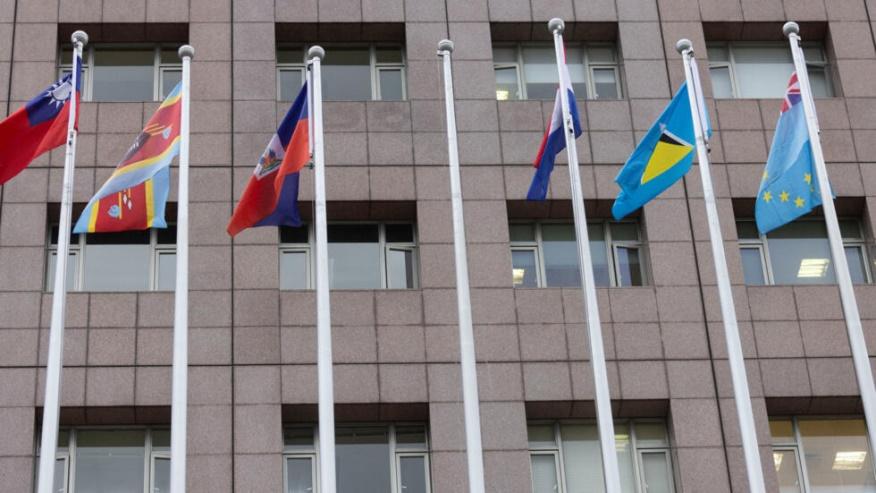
x: 604, y: 419
x: 323, y: 308
x: 728, y: 312
x: 51, y: 403
x: 857, y: 343
x: 179, y: 403
x: 470, y: 400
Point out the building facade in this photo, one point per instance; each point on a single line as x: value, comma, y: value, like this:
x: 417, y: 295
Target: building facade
x: 252, y: 379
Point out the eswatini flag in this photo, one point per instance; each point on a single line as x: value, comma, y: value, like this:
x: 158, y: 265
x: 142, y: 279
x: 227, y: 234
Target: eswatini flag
x: 135, y: 194
x: 38, y: 127
x: 271, y: 196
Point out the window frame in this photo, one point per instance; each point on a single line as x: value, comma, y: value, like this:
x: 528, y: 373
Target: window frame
x: 614, y: 275
x: 730, y: 63
x: 158, y: 67
x: 589, y: 67
x: 375, y: 67
x: 761, y: 243
x: 384, y: 247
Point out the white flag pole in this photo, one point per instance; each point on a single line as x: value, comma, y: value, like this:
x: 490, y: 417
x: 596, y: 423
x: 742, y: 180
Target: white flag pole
x: 604, y: 419
x: 51, y: 404
x: 471, y: 402
x: 323, y: 309
x: 179, y: 403
x: 844, y: 280
x: 728, y: 312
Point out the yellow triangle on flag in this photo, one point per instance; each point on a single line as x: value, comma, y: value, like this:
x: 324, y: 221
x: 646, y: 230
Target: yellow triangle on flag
x: 667, y: 153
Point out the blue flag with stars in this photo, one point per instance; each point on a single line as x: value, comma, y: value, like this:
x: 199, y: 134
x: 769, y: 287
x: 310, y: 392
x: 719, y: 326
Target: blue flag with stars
x: 789, y: 188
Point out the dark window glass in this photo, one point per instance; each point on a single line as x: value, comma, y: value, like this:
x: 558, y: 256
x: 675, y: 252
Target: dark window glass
x: 294, y: 235
x: 399, y: 233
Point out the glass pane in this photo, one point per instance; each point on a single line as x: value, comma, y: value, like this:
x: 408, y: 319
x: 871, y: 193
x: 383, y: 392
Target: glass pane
x: 391, y: 84
x: 855, y: 259
x: 522, y: 232
x: 651, y: 434
x: 400, y: 269
x: 399, y: 233
x: 544, y: 473
x: 363, y: 460
x: 293, y: 270
x: 116, y: 268
x: 59, y: 484
x: 110, y: 461
x: 506, y: 54
x: 561, y: 256
x: 581, y: 453
x: 819, y: 83
x: 721, y: 85
x: 624, y: 231
x: 656, y: 472
x: 170, y: 55
x: 161, y: 440
x: 803, y: 254
x: 523, y: 270
x: 629, y: 266
x: 346, y: 75
x: 166, y: 271
x: 762, y: 71
x: 166, y: 236
x: 294, y: 235
x: 72, y: 271
x: 785, y: 462
x: 837, y: 457
x: 782, y: 431
x: 299, y: 475
x: 747, y: 230
x: 74, y: 238
x: 413, y: 474
x: 507, y: 87
x: 298, y: 438
x: 541, y: 436
x: 123, y: 75
x: 598, y: 254
x: 410, y: 437
x: 850, y: 229
x: 601, y: 54
x: 389, y: 55
x: 813, y: 52
x: 605, y: 83
x: 169, y: 80
x: 354, y: 257
x: 540, y: 72
x: 717, y: 53
x: 161, y: 480
x: 290, y: 55
x: 625, y: 458
x: 290, y: 83
x: 752, y: 266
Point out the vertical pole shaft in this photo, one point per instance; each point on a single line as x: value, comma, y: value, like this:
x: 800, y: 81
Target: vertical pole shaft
x: 51, y: 404
x: 470, y: 399
x: 857, y: 343
x: 179, y: 401
x: 736, y: 358
x: 604, y: 419
x: 323, y: 309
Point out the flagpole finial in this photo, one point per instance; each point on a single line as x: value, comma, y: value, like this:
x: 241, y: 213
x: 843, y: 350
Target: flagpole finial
x: 79, y: 37
x: 683, y: 45
x: 186, y: 51
x: 445, y: 45
x: 556, y: 25
x: 315, y: 51
x: 791, y: 28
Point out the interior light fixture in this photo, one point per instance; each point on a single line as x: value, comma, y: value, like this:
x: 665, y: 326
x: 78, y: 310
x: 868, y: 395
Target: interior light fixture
x: 777, y: 459
x: 852, y: 460
x: 502, y: 94
x: 517, y: 275
x: 813, y: 267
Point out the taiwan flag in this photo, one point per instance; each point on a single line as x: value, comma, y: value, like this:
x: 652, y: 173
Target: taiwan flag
x: 38, y: 127
x: 271, y: 196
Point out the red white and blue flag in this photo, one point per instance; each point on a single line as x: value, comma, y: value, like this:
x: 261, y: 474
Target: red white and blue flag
x: 271, y: 196
x: 38, y: 127
x: 554, y: 140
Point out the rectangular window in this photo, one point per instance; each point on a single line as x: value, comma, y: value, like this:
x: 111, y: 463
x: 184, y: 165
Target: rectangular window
x: 529, y: 71
x: 128, y: 261
x: 815, y: 455
x: 360, y: 256
x: 120, y: 460
x: 546, y: 255
x: 799, y: 253
x: 376, y: 458
x: 762, y: 70
x: 125, y: 73
x: 565, y: 457
x: 350, y: 73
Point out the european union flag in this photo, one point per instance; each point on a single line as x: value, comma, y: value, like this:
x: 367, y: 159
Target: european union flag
x: 789, y: 188
x: 662, y: 157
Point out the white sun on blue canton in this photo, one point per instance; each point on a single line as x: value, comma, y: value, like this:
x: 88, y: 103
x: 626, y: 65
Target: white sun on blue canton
x: 59, y: 92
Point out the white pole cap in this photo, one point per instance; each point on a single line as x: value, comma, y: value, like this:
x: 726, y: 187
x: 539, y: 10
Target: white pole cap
x: 445, y: 45
x: 79, y: 37
x: 186, y: 51
x: 791, y: 28
x: 556, y: 25
x: 683, y: 45
x: 315, y: 51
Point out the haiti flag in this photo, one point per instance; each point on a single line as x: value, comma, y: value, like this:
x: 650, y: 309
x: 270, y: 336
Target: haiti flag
x: 38, y: 127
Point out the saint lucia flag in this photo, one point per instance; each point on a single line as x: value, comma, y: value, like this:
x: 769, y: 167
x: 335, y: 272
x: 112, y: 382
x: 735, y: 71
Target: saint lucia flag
x: 662, y: 157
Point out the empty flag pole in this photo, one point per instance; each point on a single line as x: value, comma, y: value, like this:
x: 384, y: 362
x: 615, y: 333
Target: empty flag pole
x: 323, y: 308
x: 181, y: 299
x: 51, y: 404
x: 857, y: 343
x: 728, y: 312
x: 470, y: 400
x: 604, y: 419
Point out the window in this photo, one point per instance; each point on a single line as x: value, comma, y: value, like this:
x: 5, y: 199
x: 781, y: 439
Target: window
x: 546, y: 255
x: 799, y: 253
x: 360, y: 256
x: 762, y: 70
x: 565, y: 457
x: 369, y: 458
x: 129, y: 261
x: 124, y: 460
x: 815, y: 455
x: 126, y: 73
x: 349, y: 73
x: 529, y: 71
